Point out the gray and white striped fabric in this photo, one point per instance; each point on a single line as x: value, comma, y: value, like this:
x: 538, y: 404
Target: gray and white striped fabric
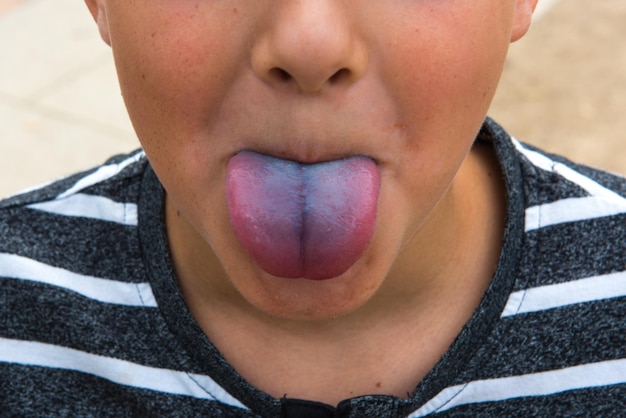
x: 92, y: 323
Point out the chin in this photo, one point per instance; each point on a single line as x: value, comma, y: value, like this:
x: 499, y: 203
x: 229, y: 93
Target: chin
x: 305, y: 299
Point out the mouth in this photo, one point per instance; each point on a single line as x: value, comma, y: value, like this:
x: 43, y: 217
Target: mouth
x: 307, y: 155
x: 305, y: 217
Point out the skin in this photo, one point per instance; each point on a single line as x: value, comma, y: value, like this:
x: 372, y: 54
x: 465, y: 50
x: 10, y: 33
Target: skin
x: 407, y: 83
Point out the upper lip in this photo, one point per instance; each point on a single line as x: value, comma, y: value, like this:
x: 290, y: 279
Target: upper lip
x: 315, y: 137
x: 312, y: 150
x: 306, y: 157
x: 307, y: 161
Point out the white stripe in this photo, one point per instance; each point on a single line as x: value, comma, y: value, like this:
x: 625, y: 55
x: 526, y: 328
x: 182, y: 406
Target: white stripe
x: 602, y: 202
x: 118, y: 371
x: 538, y: 384
x: 92, y: 207
x: 102, y: 290
x: 572, y: 210
x: 545, y: 163
x: 563, y: 294
x: 103, y: 173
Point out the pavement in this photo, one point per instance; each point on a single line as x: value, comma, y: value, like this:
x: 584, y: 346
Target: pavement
x: 564, y: 88
x: 564, y: 84
x: 60, y: 105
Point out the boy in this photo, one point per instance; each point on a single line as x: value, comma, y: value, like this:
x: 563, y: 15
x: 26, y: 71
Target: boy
x: 322, y: 224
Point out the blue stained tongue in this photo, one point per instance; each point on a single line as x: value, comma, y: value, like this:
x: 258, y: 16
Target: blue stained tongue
x: 296, y: 220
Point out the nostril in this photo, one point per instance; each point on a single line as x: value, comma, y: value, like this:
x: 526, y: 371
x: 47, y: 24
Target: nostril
x: 339, y: 75
x: 283, y: 76
x: 307, y: 82
x: 280, y: 74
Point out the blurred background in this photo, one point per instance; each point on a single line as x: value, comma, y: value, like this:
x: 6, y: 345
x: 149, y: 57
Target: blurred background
x: 563, y: 89
x: 564, y: 84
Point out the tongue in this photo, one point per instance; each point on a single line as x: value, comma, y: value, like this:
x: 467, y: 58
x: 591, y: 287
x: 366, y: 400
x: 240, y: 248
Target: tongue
x: 302, y: 220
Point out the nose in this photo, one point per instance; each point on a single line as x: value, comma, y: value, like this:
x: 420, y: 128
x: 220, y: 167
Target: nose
x: 309, y: 45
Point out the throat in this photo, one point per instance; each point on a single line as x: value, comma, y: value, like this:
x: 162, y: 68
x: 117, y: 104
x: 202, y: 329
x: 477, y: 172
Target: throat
x: 329, y: 361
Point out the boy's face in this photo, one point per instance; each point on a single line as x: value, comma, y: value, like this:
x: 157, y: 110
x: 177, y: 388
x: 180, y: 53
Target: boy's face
x: 406, y: 83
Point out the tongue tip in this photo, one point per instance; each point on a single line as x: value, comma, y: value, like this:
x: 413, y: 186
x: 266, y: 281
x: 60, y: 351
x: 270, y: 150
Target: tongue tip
x: 313, y: 276
x: 312, y: 271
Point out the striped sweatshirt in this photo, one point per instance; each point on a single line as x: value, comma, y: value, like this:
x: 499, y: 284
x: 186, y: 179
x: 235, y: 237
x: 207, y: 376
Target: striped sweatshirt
x: 92, y: 323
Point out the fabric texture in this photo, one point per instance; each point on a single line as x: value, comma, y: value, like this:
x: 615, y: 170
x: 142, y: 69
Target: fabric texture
x: 92, y: 323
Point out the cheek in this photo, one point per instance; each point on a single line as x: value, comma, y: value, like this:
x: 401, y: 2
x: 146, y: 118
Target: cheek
x: 173, y: 83
x: 443, y: 82
x: 174, y: 65
x: 165, y: 85
x: 458, y: 82
x: 448, y: 65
